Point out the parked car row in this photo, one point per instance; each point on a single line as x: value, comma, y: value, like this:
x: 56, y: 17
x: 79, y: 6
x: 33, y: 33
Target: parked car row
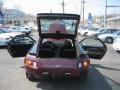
x: 23, y: 29
x: 109, y: 37
x: 6, y: 35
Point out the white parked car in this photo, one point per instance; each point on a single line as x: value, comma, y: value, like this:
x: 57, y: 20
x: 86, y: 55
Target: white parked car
x: 84, y: 31
x: 109, y: 38
x: 116, y: 44
x: 89, y: 33
x: 81, y: 31
x: 93, y: 33
x: 23, y: 29
x: 6, y: 37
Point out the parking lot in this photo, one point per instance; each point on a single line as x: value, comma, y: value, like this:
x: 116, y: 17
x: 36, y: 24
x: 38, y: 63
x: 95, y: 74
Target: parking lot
x: 103, y: 74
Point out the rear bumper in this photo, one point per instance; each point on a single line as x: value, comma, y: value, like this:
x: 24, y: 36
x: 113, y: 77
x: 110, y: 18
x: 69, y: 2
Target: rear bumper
x: 52, y: 73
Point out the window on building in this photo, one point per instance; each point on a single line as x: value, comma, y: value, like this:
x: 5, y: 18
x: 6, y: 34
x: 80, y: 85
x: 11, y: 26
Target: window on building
x: 25, y: 22
x: 9, y: 22
x: 16, y: 22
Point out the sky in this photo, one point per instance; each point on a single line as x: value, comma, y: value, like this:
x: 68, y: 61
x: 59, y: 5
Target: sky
x: 95, y: 7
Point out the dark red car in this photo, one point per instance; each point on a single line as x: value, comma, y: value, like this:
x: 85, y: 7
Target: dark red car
x: 57, y: 53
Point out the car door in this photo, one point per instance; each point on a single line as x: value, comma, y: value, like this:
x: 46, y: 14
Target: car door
x: 19, y: 46
x: 94, y: 47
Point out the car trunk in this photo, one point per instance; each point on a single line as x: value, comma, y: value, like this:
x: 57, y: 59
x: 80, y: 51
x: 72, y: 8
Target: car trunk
x: 58, y: 66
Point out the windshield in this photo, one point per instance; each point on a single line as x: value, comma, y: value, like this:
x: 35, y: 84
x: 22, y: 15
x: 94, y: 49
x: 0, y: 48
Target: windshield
x: 58, y: 25
x: 117, y: 33
x: 100, y: 30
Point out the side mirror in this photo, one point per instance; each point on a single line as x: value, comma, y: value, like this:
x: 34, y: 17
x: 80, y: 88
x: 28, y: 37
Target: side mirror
x: 19, y: 45
x: 94, y: 47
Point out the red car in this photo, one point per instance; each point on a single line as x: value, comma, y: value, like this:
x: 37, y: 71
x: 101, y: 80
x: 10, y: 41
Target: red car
x: 57, y: 53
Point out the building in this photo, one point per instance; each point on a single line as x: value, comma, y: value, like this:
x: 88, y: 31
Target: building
x: 17, y: 17
x: 12, y: 17
x: 1, y: 14
x: 114, y: 21
x: 1, y: 17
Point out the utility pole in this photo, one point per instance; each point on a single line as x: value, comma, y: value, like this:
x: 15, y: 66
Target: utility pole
x: 50, y: 10
x: 83, y: 2
x: 63, y: 6
x: 105, y: 14
x: 76, y: 9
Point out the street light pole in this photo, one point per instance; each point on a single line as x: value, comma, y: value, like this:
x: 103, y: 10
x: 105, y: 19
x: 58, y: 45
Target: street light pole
x: 105, y: 14
x: 63, y: 5
x: 50, y: 10
x: 83, y: 2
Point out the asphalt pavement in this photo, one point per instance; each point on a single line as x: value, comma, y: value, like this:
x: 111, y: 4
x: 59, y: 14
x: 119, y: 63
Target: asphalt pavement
x: 103, y: 74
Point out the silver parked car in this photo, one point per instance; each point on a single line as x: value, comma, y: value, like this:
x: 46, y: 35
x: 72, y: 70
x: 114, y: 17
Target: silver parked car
x: 105, y: 31
x: 109, y: 38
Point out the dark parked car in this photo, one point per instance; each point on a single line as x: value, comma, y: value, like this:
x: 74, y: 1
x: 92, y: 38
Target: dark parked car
x: 57, y: 53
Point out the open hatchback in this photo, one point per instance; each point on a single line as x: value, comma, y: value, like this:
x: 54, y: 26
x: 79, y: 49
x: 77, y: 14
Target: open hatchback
x: 57, y: 53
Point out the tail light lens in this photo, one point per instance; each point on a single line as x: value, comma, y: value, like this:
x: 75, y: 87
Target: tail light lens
x: 30, y: 63
x: 85, y: 64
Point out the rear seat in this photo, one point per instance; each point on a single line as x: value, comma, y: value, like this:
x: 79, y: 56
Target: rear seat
x: 46, y: 53
x: 68, y: 51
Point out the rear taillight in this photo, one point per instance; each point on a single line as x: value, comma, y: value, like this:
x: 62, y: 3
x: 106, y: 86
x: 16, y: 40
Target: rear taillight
x: 85, y: 64
x: 30, y: 63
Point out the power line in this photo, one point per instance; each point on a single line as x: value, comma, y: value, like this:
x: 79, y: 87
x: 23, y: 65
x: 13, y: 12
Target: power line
x: 83, y: 9
x: 112, y: 6
x: 105, y: 14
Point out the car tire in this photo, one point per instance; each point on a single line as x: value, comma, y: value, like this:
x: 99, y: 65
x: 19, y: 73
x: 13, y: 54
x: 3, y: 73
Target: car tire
x: 109, y: 40
x: 118, y: 51
x: 30, y: 77
x: 85, y: 34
